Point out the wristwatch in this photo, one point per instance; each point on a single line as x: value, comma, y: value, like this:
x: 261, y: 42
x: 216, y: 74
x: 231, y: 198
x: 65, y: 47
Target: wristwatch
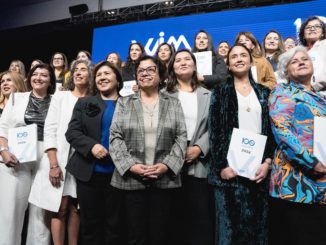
x: 3, y: 148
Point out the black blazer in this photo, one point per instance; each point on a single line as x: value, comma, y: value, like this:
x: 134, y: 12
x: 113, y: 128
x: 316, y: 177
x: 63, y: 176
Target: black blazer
x: 84, y: 131
x: 223, y: 117
x: 219, y: 73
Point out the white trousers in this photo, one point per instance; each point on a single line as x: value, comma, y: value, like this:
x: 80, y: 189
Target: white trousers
x: 15, y: 186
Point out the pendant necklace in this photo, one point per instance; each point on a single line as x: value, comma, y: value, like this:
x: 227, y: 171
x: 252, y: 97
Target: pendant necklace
x: 248, y: 104
x: 150, y: 111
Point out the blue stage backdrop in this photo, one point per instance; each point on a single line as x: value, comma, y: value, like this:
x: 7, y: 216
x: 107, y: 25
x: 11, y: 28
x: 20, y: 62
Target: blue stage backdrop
x: 224, y: 25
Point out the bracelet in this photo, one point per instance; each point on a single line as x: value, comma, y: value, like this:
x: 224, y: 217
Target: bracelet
x: 54, y: 166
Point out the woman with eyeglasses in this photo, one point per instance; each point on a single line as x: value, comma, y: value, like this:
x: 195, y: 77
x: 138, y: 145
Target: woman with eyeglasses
x: 148, y: 140
x: 59, y: 64
x: 312, y: 36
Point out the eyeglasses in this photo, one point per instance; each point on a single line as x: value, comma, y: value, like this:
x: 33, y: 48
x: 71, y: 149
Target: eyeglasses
x: 151, y: 70
x: 313, y: 27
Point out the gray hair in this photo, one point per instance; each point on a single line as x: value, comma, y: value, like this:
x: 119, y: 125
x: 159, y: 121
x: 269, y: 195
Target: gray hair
x: 285, y: 58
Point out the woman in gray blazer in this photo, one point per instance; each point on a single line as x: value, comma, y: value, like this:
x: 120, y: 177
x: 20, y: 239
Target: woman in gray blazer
x: 147, y: 145
x: 196, y: 198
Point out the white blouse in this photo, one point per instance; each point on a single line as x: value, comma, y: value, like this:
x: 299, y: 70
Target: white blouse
x: 189, y: 106
x: 249, y: 112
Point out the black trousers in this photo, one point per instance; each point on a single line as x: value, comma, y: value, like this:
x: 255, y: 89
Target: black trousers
x: 148, y: 216
x: 195, y: 213
x: 100, y: 211
x: 296, y: 223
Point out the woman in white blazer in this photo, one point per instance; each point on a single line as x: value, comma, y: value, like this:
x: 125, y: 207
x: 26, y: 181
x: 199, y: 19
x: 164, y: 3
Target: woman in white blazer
x: 23, y: 109
x: 54, y: 189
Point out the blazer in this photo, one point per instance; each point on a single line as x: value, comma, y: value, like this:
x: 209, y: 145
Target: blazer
x: 219, y: 73
x: 84, y: 131
x: 13, y: 115
x: 198, y: 168
x: 55, y: 127
x: 265, y: 73
x: 223, y: 117
x: 127, y: 142
x: 292, y: 110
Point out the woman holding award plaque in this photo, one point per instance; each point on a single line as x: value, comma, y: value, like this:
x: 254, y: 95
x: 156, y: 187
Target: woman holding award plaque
x: 203, y: 42
x: 240, y: 104
x: 298, y: 178
x: 24, y: 109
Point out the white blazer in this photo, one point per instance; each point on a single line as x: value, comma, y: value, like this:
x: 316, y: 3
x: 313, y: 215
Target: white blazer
x: 14, y: 113
x: 43, y: 194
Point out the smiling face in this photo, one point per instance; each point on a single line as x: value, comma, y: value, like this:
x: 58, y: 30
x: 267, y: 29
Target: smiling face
x: 289, y: 43
x: 7, y: 85
x: 184, y: 66
x: 223, y: 49
x: 106, y: 80
x: 15, y: 67
x: 147, y: 75
x: 82, y: 56
x: 135, y: 52
x: 113, y: 58
x: 58, y: 61
x: 313, y: 31
x: 40, y: 80
x: 81, y: 75
x: 164, y: 53
x: 300, y: 68
x: 272, y: 42
x: 239, y: 61
x: 201, y: 41
x: 247, y: 42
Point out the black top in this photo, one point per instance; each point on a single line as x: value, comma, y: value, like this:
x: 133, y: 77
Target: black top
x: 36, y: 112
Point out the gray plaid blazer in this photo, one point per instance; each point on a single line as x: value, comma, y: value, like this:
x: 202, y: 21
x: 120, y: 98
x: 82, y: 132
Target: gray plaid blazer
x: 127, y: 142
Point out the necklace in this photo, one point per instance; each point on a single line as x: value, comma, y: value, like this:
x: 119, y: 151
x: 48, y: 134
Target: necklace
x: 150, y: 109
x: 248, y: 104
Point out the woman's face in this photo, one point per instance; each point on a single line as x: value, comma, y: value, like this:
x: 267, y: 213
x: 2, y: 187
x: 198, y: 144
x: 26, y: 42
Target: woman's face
x: 7, y: 85
x: 313, y: 31
x: 164, y: 53
x: 289, y: 43
x: 58, y: 61
x: 34, y: 63
x: 147, y: 75
x: 271, y: 42
x: 223, y: 49
x: 201, y: 41
x: 239, y: 61
x: 81, y: 75
x: 247, y: 42
x: 106, y: 80
x: 82, y: 56
x: 184, y: 65
x: 14, y: 66
x: 113, y: 58
x: 300, y: 67
x: 40, y: 80
x: 135, y: 52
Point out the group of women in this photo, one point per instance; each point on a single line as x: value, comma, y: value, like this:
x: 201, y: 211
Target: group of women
x: 152, y: 168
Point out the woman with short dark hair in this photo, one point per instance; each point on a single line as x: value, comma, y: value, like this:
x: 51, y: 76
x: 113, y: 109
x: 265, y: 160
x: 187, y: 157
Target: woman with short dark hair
x: 88, y: 133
